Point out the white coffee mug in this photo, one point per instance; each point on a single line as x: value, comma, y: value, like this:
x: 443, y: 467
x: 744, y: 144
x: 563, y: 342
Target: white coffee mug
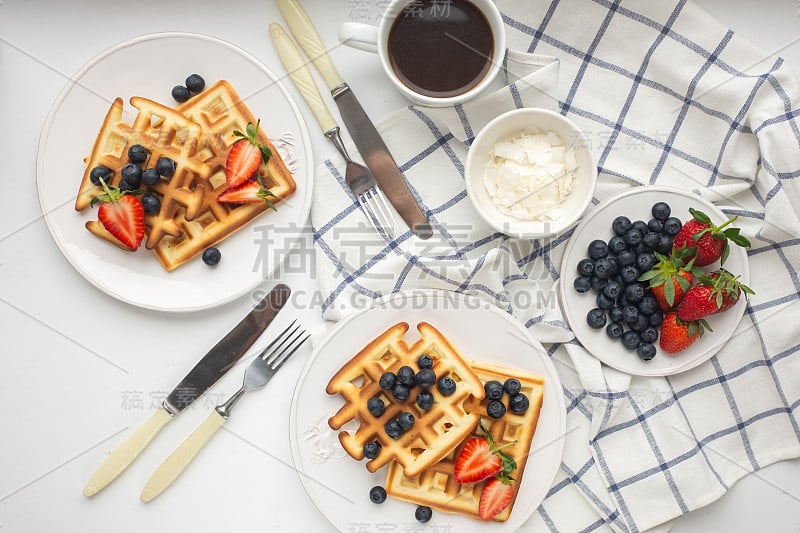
x: 376, y: 39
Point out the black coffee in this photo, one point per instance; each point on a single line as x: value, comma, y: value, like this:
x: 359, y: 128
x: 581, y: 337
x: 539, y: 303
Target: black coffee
x: 440, y: 48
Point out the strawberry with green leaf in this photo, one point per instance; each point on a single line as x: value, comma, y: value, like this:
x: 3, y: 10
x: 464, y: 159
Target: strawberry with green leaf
x: 677, y: 335
x: 671, y: 278
x: 249, y: 192
x: 122, y: 214
x: 707, y: 242
x: 715, y: 293
x: 245, y: 156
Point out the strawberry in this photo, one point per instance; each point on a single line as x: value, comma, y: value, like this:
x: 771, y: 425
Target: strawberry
x: 481, y: 458
x: 716, y: 293
x: 496, y: 495
x: 245, y: 156
x: 670, y: 278
x: 249, y: 192
x: 122, y: 214
x: 677, y: 335
x: 707, y: 242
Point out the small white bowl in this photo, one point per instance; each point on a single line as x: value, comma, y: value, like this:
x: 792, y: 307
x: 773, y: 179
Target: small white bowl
x: 513, y: 123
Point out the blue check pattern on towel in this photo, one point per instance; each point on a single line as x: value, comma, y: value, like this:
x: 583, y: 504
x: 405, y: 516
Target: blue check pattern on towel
x: 664, y: 95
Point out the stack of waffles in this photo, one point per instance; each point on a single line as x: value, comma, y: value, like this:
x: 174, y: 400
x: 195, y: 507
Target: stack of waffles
x: 197, y: 136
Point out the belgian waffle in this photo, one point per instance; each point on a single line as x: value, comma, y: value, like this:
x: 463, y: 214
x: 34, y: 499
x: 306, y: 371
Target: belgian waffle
x: 197, y: 135
x: 435, y: 486
x: 436, y: 431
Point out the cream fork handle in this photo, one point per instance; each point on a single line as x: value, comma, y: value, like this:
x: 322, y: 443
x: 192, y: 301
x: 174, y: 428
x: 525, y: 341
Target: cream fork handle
x: 301, y: 76
x: 306, y: 34
x: 125, y: 453
x: 173, y: 465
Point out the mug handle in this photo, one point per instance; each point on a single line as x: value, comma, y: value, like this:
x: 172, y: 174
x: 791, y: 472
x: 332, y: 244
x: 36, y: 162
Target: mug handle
x: 360, y: 36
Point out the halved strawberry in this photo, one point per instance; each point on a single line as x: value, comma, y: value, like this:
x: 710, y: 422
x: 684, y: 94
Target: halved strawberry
x: 496, y: 495
x: 481, y: 458
x: 121, y: 214
x: 249, y: 192
x: 245, y: 156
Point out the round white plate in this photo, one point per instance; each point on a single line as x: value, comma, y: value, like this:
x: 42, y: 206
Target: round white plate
x: 150, y: 66
x: 635, y: 204
x: 339, y: 486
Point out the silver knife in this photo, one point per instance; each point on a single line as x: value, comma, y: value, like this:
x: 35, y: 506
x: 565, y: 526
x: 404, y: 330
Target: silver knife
x: 205, y: 373
x: 366, y: 138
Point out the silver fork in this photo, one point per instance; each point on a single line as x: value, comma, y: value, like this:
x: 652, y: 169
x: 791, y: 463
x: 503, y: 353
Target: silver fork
x: 358, y: 177
x: 258, y: 374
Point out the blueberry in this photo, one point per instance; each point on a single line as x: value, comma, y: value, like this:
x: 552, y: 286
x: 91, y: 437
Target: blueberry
x: 651, y: 239
x: 375, y: 406
x: 630, y: 340
x: 646, y: 351
x: 125, y: 186
x: 634, y: 293
x: 372, y: 449
x: 165, y: 167
x: 150, y: 203
x: 645, y: 261
x: 132, y: 173
x: 640, y: 226
x: 621, y: 225
x: 406, y: 376
x: 664, y: 245
x: 672, y: 226
x: 603, y: 301
x: 615, y: 330
x: 582, y: 284
x: 406, y: 420
x: 137, y: 154
x: 446, y: 385
x: 512, y: 386
x: 377, y: 494
x: 597, y: 283
x: 642, y: 322
x: 598, y: 249
x: 605, y: 268
x: 493, y: 389
x: 496, y: 409
x: 617, y: 244
x: 423, y: 513
x: 633, y: 237
x: 424, y: 400
x: 586, y: 267
x: 615, y: 314
x: 425, y: 378
x: 400, y: 392
x: 661, y: 211
x: 612, y: 289
x: 195, y: 83
x: 104, y: 172
x: 424, y: 361
x: 649, y: 335
x: 518, y: 403
x: 211, y: 256
x: 180, y: 93
x: 630, y: 314
x: 150, y: 177
x: 640, y: 249
x: 655, y: 225
x: 393, y: 429
x: 648, y: 305
x: 596, y: 318
x: 626, y: 258
x: 656, y: 318
x: 629, y: 274
x: 387, y: 380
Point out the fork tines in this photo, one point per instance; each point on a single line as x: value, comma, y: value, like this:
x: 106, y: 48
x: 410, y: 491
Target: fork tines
x: 375, y: 205
x: 290, y: 340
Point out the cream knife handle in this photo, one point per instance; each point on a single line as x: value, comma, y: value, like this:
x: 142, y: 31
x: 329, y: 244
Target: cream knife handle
x: 301, y: 76
x: 173, y: 465
x: 306, y: 34
x: 125, y: 453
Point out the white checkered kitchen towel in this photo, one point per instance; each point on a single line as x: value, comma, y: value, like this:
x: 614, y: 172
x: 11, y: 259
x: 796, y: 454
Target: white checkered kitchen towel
x: 665, y: 95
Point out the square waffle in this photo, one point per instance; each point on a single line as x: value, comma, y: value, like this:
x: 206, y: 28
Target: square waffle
x: 436, y: 431
x: 197, y: 135
x: 435, y: 486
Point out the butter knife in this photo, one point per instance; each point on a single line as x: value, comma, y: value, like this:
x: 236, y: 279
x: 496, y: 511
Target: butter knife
x: 365, y: 136
x: 205, y: 373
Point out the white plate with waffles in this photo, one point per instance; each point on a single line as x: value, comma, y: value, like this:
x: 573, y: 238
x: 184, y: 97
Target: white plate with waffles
x: 636, y: 203
x: 149, y: 66
x: 339, y: 485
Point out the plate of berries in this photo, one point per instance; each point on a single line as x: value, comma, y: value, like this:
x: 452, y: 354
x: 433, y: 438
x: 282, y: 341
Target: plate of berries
x: 655, y: 281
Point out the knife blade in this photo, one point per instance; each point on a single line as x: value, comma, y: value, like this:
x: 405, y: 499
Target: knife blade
x: 363, y: 132
x: 219, y: 359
